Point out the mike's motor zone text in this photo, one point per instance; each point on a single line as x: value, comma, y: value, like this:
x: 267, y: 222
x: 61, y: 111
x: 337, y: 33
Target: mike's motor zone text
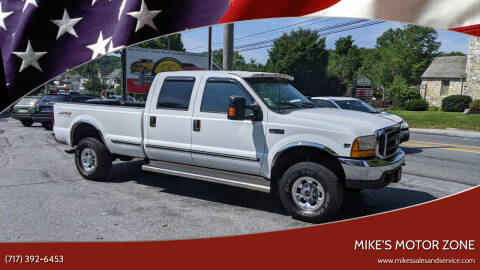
x: 414, y: 244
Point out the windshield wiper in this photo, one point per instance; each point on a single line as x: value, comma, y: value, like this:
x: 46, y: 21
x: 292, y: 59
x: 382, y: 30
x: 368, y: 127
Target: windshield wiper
x: 307, y: 105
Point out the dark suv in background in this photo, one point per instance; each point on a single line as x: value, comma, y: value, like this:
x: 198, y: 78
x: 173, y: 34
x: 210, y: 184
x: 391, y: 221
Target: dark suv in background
x: 44, y: 106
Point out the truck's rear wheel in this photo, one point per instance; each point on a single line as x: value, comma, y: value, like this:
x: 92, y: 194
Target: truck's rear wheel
x: 92, y: 159
x: 310, y: 192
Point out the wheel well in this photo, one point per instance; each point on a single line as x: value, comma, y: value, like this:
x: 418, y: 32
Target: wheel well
x: 85, y: 130
x: 298, y: 154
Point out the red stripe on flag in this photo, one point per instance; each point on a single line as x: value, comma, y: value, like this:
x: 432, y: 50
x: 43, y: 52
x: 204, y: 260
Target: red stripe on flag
x: 473, y: 30
x: 256, y: 9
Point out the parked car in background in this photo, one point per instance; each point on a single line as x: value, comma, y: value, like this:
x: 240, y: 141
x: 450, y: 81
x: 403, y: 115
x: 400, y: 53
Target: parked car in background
x: 119, y: 98
x: 24, y: 109
x: 44, y: 107
x: 348, y: 103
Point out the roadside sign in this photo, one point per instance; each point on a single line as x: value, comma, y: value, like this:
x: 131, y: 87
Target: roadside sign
x: 143, y: 64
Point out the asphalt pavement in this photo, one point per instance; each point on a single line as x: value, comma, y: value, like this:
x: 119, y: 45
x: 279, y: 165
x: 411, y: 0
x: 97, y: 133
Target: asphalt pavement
x: 43, y: 198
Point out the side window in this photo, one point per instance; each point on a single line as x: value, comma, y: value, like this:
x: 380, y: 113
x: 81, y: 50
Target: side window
x: 216, y: 96
x: 175, y: 93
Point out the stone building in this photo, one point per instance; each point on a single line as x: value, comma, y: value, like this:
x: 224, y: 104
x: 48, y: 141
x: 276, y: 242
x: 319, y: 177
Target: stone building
x: 453, y: 75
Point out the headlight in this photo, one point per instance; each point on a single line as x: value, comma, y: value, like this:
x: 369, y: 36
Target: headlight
x: 404, y: 125
x: 364, y: 147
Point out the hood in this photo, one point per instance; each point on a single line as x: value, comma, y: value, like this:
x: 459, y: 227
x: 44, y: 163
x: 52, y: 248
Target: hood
x: 390, y: 116
x: 360, y: 123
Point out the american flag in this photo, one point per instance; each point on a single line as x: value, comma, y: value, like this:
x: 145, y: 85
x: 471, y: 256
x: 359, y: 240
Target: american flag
x: 40, y: 39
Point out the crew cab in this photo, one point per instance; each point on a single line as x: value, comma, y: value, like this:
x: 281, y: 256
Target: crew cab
x: 245, y: 129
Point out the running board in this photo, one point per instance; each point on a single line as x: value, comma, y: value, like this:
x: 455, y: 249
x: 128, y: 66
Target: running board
x: 210, y: 175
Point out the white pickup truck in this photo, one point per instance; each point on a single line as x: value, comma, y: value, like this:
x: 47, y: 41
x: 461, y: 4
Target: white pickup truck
x: 245, y: 129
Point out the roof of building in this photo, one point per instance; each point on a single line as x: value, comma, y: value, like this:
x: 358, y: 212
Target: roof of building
x: 447, y: 67
x: 116, y: 73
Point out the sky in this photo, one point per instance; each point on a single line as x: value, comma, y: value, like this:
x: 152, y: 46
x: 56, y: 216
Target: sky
x: 196, y: 40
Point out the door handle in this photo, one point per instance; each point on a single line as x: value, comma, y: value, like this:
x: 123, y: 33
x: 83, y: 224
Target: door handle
x: 196, y: 125
x: 153, y: 121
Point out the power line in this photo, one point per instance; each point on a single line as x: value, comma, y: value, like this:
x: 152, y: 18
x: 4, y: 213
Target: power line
x: 270, y: 42
x: 323, y: 29
x: 260, y: 33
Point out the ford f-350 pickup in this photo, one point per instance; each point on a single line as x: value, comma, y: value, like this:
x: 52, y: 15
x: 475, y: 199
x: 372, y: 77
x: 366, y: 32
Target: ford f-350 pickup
x: 245, y: 129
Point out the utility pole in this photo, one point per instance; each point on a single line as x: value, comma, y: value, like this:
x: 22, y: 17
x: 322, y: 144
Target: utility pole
x: 228, y: 46
x: 124, y: 74
x: 168, y: 42
x: 209, y: 48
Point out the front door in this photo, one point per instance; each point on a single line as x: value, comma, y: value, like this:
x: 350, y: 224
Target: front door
x: 221, y: 143
x: 169, y: 121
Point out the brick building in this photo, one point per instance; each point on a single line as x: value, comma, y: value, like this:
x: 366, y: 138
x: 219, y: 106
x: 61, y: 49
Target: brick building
x: 453, y: 75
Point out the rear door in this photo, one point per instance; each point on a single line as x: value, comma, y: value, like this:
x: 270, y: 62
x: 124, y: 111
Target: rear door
x: 218, y: 142
x: 169, y: 120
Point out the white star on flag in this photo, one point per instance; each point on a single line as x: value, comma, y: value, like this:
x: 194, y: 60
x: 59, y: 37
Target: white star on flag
x: 66, y: 24
x: 31, y: 2
x: 98, y: 48
x: 145, y: 17
x: 112, y: 49
x: 3, y: 16
x: 29, y: 58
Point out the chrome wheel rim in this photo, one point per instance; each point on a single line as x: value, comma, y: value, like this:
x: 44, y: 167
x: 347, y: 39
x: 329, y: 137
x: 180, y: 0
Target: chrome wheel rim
x: 88, y: 159
x: 308, y: 193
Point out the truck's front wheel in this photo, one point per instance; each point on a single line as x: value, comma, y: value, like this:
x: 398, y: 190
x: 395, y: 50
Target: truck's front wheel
x: 92, y: 159
x: 310, y: 192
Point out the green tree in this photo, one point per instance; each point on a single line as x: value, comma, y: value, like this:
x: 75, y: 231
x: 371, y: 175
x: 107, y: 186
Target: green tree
x: 239, y: 62
x: 403, y: 52
x: 94, y: 86
x: 345, y: 60
x: 401, y: 93
x: 161, y: 43
x: 302, y: 54
x: 452, y: 53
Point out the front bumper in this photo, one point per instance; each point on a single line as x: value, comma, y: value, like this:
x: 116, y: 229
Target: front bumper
x: 373, y: 173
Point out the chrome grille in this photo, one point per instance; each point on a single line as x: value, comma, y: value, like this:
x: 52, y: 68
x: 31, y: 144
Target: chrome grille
x: 388, y: 141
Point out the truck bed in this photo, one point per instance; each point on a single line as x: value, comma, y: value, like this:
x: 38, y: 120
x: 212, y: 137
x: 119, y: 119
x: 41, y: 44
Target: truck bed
x: 120, y: 125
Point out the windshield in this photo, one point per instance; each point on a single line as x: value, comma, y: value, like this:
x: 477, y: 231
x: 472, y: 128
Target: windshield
x: 356, y: 105
x: 50, y: 98
x: 279, y: 94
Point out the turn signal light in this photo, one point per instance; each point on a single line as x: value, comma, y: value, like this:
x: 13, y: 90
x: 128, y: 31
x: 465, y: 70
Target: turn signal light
x: 231, y: 111
x: 357, y: 153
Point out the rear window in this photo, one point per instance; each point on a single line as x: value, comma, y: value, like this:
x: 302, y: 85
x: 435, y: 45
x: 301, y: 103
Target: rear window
x: 176, y: 93
x: 27, y: 101
x: 50, y: 98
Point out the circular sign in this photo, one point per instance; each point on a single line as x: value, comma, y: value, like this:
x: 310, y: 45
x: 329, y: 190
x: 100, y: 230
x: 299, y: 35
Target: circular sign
x: 167, y: 64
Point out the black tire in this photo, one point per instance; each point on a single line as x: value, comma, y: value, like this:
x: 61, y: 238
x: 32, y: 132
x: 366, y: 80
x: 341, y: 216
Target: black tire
x: 332, y: 191
x: 47, y: 126
x: 103, y: 159
x: 27, y: 123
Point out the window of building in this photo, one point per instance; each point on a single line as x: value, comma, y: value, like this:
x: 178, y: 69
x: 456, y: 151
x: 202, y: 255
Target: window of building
x: 176, y: 93
x: 445, y: 87
x: 216, y: 96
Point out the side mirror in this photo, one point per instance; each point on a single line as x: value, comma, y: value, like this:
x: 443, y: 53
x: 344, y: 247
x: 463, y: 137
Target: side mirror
x: 236, y: 108
x: 309, y: 98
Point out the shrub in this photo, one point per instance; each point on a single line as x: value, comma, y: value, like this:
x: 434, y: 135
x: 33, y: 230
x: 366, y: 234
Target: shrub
x: 416, y: 105
x: 433, y: 108
x: 475, y: 105
x: 456, y: 103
